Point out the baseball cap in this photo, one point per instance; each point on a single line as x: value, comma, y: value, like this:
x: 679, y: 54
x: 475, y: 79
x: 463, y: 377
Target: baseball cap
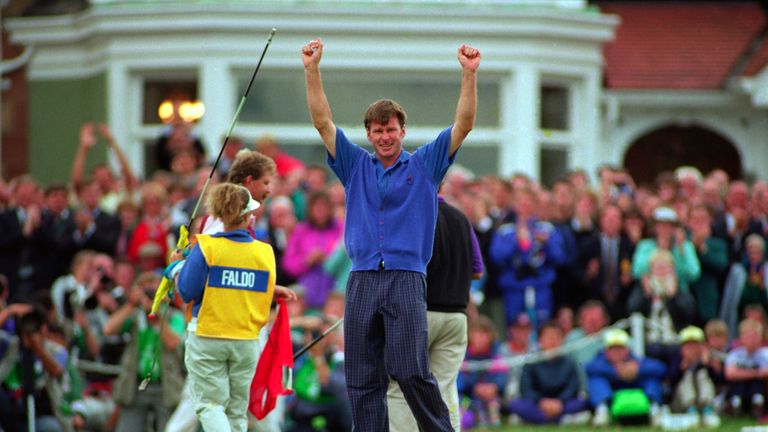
x: 691, y: 334
x: 616, y: 337
x: 665, y: 214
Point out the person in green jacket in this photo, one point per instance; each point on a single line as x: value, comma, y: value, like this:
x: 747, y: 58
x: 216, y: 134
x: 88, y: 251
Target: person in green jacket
x: 713, y: 257
x: 668, y: 235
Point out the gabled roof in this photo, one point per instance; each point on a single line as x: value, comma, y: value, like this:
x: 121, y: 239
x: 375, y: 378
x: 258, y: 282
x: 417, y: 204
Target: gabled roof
x: 682, y: 45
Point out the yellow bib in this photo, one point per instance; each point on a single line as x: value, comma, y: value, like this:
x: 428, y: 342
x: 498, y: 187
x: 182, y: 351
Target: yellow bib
x: 239, y: 288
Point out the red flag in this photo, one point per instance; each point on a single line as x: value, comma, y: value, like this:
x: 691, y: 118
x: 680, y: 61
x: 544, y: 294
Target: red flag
x: 275, y: 360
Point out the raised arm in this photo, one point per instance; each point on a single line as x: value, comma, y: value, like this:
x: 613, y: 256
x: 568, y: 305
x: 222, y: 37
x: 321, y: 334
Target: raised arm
x: 87, y: 141
x: 126, y: 174
x: 469, y: 58
x: 319, y: 109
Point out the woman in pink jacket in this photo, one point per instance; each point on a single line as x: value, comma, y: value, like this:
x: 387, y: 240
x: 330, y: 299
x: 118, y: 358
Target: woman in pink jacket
x: 311, y: 242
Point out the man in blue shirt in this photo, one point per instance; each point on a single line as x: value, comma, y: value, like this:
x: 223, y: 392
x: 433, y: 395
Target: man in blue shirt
x: 391, y: 214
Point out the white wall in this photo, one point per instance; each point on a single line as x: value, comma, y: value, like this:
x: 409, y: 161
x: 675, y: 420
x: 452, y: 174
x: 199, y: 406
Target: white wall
x: 521, y: 47
x: 632, y: 114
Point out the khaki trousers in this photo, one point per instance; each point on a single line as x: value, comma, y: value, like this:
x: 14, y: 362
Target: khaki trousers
x: 447, y: 346
x: 694, y: 390
x: 219, y: 374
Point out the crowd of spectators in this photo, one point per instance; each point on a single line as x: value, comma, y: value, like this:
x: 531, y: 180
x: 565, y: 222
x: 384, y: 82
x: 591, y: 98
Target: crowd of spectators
x: 80, y: 261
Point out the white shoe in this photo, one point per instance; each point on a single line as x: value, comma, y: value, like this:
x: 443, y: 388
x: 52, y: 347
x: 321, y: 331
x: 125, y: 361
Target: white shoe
x: 602, y: 417
x: 710, y: 420
x: 657, y: 413
x: 579, y: 418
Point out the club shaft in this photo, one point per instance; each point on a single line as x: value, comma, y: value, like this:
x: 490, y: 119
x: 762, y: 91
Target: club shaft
x: 232, y: 126
x: 317, y: 339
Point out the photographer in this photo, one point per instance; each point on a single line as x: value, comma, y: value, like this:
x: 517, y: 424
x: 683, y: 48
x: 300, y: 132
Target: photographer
x: 164, y: 390
x: 320, y: 383
x: 527, y: 252
x: 72, y: 288
x: 10, y: 412
x: 42, y: 362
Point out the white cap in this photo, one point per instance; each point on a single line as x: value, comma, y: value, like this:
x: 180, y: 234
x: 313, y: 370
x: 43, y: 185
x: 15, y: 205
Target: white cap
x: 665, y: 214
x: 252, y: 204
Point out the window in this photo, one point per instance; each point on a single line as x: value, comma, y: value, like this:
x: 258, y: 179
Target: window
x: 429, y: 99
x: 555, y: 108
x: 553, y: 165
x: 158, y: 91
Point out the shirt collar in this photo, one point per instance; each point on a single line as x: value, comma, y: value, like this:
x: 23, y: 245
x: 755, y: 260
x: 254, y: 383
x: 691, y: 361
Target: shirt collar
x: 403, y: 158
x: 237, y: 235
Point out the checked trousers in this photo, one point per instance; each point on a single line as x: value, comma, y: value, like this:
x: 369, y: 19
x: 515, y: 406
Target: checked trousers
x: 385, y: 335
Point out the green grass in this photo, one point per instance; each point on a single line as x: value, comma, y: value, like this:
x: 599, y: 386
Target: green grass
x: 729, y: 425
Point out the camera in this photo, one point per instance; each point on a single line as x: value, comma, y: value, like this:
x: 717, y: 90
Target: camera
x: 31, y: 322
x: 73, y: 302
x: 105, y: 280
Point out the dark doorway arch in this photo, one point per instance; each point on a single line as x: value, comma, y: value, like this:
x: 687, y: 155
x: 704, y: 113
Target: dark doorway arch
x: 669, y: 147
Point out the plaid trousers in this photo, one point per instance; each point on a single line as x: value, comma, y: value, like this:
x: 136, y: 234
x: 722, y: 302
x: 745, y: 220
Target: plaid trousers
x: 385, y: 335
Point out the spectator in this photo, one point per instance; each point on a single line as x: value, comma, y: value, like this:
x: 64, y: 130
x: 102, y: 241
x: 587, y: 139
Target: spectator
x: 51, y: 243
x: 43, y: 351
x: 11, y: 413
x: 153, y: 227
x: 690, y: 180
x: 668, y: 235
x: 592, y: 320
x: 233, y: 147
x: 521, y: 339
x: 485, y: 387
x: 113, y: 191
x: 184, y: 165
x: 693, y: 388
x: 285, y: 164
x: 716, y: 333
x: 712, y: 253
x: 338, y: 265
x: 735, y: 224
x: 282, y: 222
x: 320, y: 386
x: 95, y: 229
x: 664, y: 305
x: 308, y: 247
x: 746, y: 369
x: 138, y: 361
x: 128, y: 214
x: 603, y: 265
x: 564, y: 319
x: 71, y: 289
x: 178, y: 138
x: 562, y: 214
x: 754, y: 290
x: 527, y: 253
x: 616, y: 368
x: 583, y: 221
x: 668, y: 188
x: 634, y: 226
x: 316, y: 179
x: 549, y: 389
x: 17, y: 224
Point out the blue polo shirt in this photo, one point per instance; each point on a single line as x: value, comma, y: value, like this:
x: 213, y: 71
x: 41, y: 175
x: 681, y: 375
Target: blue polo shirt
x: 391, y: 214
